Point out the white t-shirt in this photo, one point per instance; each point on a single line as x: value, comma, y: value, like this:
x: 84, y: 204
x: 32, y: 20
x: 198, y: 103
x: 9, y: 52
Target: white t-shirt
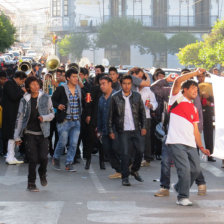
x: 182, y: 118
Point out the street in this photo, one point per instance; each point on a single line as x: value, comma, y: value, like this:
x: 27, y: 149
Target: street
x: 90, y: 197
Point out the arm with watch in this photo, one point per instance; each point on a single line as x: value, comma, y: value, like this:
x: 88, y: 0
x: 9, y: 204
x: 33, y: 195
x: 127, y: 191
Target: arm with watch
x: 198, y: 140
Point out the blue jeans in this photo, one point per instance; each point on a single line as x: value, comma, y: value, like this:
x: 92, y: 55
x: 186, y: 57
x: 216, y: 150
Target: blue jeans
x: 165, y: 167
x: 67, y: 130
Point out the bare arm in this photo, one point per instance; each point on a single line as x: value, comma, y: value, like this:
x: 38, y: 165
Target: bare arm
x: 198, y: 140
x: 177, y: 84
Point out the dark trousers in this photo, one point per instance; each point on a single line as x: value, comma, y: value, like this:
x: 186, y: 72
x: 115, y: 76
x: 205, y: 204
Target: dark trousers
x: 208, y: 127
x: 111, y: 149
x: 92, y: 142
x: 148, y: 147
x: 53, y: 132
x: 83, y: 137
x: 126, y: 140
x: 37, y: 151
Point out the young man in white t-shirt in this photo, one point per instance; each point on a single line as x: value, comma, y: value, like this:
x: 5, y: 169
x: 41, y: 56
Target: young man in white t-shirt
x: 183, y: 134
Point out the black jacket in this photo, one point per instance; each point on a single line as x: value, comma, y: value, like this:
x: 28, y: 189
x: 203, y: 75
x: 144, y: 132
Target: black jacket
x: 12, y: 93
x: 60, y: 97
x: 117, y: 110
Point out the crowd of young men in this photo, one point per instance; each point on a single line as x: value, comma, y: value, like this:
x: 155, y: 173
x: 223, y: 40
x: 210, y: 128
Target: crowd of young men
x: 114, y: 115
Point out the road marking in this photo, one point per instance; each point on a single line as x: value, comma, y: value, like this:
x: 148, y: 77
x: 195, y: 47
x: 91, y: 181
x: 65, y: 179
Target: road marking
x: 30, y: 212
x: 127, y: 212
x: 96, y: 181
x: 212, y: 169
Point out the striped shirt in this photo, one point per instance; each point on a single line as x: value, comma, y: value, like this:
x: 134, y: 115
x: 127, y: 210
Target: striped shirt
x: 74, y: 106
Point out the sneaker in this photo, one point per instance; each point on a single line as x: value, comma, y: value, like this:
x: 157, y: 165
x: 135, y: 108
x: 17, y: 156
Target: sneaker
x: 115, y: 176
x: 137, y: 176
x: 56, y: 164
x: 70, y: 168
x: 32, y: 188
x: 184, y: 202
x: 125, y: 182
x: 163, y: 192
x: 43, y: 181
x: 202, y: 189
x: 144, y: 163
x: 14, y: 162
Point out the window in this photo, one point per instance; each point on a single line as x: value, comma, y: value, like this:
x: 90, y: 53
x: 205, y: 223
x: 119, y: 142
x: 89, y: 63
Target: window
x: 65, y: 7
x: 56, y: 7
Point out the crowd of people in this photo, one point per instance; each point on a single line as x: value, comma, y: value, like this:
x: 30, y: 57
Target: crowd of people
x: 118, y: 116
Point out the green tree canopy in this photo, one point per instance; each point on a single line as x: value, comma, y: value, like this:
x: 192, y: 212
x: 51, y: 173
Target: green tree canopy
x: 209, y: 52
x: 180, y: 40
x: 7, y: 32
x: 74, y: 44
x: 189, y: 55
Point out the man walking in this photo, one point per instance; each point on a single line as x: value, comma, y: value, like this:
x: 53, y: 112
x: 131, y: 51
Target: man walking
x: 34, y: 116
x: 127, y: 115
x: 67, y: 100
x: 183, y: 134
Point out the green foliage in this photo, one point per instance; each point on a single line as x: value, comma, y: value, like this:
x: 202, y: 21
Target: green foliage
x: 189, y: 55
x: 74, y: 44
x: 208, y: 53
x: 7, y: 32
x: 152, y: 42
x: 120, y: 32
x: 180, y: 40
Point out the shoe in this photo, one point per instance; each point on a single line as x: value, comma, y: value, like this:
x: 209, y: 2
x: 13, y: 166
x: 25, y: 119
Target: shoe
x: 88, y: 161
x: 43, y: 180
x: 163, y: 192
x: 145, y: 163
x: 202, y: 189
x: 115, y: 176
x: 125, y: 182
x: 14, y: 162
x: 70, y: 168
x: 184, y: 202
x: 173, y: 187
x: 102, y: 165
x: 211, y: 159
x: 136, y: 176
x: 56, y: 164
x: 32, y: 187
x: 158, y: 157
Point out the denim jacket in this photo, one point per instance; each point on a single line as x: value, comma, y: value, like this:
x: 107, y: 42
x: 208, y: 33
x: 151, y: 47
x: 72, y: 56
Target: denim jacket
x: 45, y: 110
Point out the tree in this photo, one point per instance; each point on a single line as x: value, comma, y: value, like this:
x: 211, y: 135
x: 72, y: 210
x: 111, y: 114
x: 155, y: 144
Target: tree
x: 119, y: 34
x: 155, y: 43
x: 189, y: 55
x: 74, y: 44
x: 7, y: 34
x: 180, y: 40
x: 207, y: 53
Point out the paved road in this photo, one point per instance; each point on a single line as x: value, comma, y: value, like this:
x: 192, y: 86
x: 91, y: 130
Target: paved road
x: 89, y: 197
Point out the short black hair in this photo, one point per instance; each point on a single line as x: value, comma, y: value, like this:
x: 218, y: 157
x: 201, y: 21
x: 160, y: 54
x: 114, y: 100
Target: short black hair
x: 59, y: 70
x: 135, y: 70
x: 3, y: 74
x: 187, y: 84
x: 84, y: 71
x: 71, y: 71
x: 107, y: 78
x: 185, y: 70
x: 101, y: 68
x: 21, y: 75
x: 113, y: 69
x: 29, y: 80
x: 126, y: 76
